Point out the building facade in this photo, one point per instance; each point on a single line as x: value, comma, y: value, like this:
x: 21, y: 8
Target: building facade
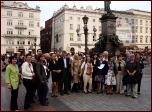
x: 66, y: 21
x: 20, y: 26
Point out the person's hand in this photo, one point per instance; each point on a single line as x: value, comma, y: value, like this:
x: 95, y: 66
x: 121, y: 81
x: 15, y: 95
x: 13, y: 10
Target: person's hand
x: 9, y: 86
x: 33, y: 75
x: 59, y: 71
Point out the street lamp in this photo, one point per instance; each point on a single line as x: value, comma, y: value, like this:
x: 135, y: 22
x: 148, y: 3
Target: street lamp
x: 35, y: 44
x: 85, y: 21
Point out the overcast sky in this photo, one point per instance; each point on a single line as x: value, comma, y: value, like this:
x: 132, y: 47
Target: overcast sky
x: 48, y: 7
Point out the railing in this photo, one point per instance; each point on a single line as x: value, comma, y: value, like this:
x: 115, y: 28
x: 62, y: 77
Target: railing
x: 20, y: 27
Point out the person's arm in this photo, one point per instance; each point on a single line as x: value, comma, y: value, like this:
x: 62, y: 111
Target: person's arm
x: 38, y: 71
x: 7, y: 79
x: 82, y: 67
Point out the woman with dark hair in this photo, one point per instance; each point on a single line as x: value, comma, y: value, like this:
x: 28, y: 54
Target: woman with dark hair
x: 12, y: 79
x: 86, y: 71
x: 42, y: 80
x: 56, y: 70
x: 95, y: 64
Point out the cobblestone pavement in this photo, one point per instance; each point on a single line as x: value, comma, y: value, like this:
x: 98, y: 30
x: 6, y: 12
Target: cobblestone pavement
x: 88, y: 102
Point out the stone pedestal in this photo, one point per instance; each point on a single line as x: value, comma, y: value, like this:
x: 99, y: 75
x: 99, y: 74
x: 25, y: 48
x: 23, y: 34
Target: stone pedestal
x: 108, y: 40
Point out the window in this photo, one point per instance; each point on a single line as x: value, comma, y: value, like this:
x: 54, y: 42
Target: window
x: 71, y: 37
x: 133, y: 29
x: 141, y: 39
x: 28, y: 42
x: 126, y: 19
x: 70, y: 17
x: 20, y: 23
x: 132, y: 21
x: 10, y: 42
x: 9, y: 22
x: 136, y: 39
x: 31, y: 24
x: 141, y: 22
x: 21, y: 42
x: 31, y: 32
x: 146, y: 39
x: 71, y: 26
x: 133, y: 39
x: 140, y: 29
x: 20, y: 14
x: 20, y: 5
x: 9, y: 13
x: 136, y: 21
x: 94, y: 20
x: 136, y: 29
x: 20, y: 32
x: 146, y: 23
x: 9, y: 31
x: 146, y: 29
x: 31, y: 15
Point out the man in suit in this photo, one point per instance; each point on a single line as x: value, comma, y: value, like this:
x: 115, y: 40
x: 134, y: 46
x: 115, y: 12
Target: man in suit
x: 64, y: 63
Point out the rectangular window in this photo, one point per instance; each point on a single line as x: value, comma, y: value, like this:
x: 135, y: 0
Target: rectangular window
x: 31, y: 15
x: 146, y: 30
x: 133, y: 29
x: 132, y: 21
x: 146, y: 23
x: 28, y: 42
x: 141, y: 22
x: 71, y: 26
x: 31, y: 24
x: 21, y: 42
x: 94, y: 20
x: 126, y: 19
x: 20, y: 32
x: 31, y: 32
x: 136, y: 29
x: 141, y: 39
x: 9, y: 13
x: 136, y: 21
x: 20, y: 23
x: 146, y: 39
x: 9, y: 31
x: 141, y: 29
x: 136, y: 39
x: 71, y: 37
x: 20, y: 14
x: 9, y: 23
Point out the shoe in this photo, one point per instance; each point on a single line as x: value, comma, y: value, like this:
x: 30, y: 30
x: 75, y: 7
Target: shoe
x: 134, y: 97
x: 85, y: 92
x: 89, y: 91
x: 138, y: 93
x: 127, y: 95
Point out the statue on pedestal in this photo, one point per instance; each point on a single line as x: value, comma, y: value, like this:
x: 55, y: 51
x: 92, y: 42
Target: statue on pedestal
x: 107, y: 6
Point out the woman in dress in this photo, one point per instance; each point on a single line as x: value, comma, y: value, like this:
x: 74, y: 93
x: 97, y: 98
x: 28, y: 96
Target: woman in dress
x: 110, y: 77
x: 75, y: 69
x: 12, y: 79
x: 56, y: 70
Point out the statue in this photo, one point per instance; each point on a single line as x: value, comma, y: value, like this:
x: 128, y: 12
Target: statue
x: 107, y: 6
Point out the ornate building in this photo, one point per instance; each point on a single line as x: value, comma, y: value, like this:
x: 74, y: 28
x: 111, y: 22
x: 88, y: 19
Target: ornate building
x: 20, y: 26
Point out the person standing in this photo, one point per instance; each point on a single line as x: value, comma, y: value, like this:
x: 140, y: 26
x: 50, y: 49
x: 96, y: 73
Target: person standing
x: 110, y: 78
x: 120, y: 72
x: 56, y: 72
x: 87, y: 74
x: 100, y: 77
x: 132, y: 76
x: 95, y: 64
x: 75, y: 71
x: 64, y: 62
x: 12, y: 79
x: 41, y: 71
x: 28, y: 74
x: 141, y: 66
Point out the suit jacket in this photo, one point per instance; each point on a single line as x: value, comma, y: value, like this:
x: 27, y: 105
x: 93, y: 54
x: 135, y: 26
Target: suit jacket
x: 104, y: 71
x: 61, y: 62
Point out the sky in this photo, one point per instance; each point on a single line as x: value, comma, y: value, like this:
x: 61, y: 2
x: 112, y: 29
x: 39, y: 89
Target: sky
x: 48, y: 7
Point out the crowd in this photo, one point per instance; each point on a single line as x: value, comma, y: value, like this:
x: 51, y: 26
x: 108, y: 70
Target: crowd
x: 72, y: 73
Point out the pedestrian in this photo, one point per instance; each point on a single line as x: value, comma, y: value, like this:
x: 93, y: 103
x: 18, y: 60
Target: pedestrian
x: 110, y: 78
x: 95, y: 64
x: 64, y: 62
x: 132, y: 68
x: 86, y: 71
x: 141, y: 66
x: 56, y: 72
x: 120, y: 72
x: 75, y: 72
x: 28, y: 74
x: 100, y: 77
x: 12, y: 79
x: 42, y: 80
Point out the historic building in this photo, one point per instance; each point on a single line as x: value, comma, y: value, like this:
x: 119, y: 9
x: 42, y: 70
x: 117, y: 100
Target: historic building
x: 66, y: 21
x: 20, y: 27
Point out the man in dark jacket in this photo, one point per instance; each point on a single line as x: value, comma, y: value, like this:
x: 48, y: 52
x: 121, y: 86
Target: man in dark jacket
x: 64, y: 63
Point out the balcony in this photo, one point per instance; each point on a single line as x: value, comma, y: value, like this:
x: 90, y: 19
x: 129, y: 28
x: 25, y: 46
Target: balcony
x: 20, y: 27
x: 19, y: 36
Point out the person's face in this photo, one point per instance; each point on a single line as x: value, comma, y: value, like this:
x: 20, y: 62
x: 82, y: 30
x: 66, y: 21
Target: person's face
x: 106, y: 54
x: 39, y: 52
x: 88, y: 59
x: 132, y: 58
x: 53, y: 56
x: 28, y: 58
x: 138, y: 56
x: 14, y: 61
x: 101, y: 57
x: 120, y: 58
x: 127, y: 54
x: 33, y: 59
x: 42, y: 58
x: 64, y: 54
x: 95, y: 56
x: 110, y: 59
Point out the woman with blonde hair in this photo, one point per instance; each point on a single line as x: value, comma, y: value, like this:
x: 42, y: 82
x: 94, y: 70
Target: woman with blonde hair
x: 75, y: 71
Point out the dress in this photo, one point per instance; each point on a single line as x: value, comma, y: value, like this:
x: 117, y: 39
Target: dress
x: 109, y: 79
x: 55, y: 66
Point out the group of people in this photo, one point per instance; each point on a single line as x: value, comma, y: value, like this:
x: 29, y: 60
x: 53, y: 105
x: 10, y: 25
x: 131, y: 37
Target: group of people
x: 72, y: 73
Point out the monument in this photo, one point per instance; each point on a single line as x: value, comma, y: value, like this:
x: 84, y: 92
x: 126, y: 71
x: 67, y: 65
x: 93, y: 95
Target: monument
x: 108, y: 40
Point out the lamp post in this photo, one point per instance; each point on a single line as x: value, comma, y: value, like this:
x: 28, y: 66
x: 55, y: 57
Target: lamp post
x: 35, y: 44
x: 85, y: 21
